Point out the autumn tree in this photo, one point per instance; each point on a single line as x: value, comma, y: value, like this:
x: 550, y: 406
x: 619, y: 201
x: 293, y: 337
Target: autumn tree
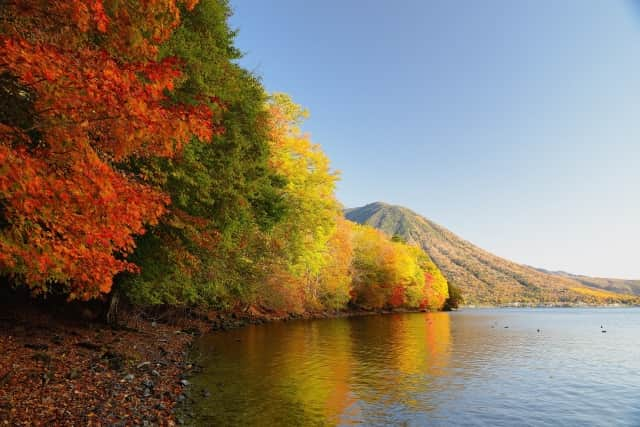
x: 433, y: 291
x: 84, y: 90
x: 455, y: 298
x: 436, y: 287
x: 335, y: 278
x: 309, y: 221
x: 210, y: 247
x: 388, y: 273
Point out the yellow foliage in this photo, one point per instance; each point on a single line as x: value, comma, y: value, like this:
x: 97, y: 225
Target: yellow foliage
x: 392, y: 274
x: 596, y: 293
x: 323, y: 261
x: 335, y: 277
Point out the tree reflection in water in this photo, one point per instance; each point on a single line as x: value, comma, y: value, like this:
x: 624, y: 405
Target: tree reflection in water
x: 325, y: 372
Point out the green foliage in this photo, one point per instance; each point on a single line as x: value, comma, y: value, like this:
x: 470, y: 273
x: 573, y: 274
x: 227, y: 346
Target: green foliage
x: 253, y: 218
x: 223, y: 193
x: 398, y: 238
x: 455, y: 298
x: 303, y: 236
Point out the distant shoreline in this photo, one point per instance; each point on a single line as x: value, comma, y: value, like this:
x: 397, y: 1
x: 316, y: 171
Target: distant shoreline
x: 563, y: 305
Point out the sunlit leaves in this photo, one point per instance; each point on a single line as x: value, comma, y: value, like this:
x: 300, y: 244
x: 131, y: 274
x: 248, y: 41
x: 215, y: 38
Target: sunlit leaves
x: 311, y: 206
x: 96, y: 93
x: 210, y: 246
x: 389, y: 273
x: 131, y: 141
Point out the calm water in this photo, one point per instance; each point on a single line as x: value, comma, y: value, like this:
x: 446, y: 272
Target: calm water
x: 461, y: 368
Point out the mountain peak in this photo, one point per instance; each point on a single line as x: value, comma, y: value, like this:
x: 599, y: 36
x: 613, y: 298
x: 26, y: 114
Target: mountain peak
x: 389, y: 218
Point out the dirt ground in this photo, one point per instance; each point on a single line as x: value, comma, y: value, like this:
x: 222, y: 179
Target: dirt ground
x: 61, y: 369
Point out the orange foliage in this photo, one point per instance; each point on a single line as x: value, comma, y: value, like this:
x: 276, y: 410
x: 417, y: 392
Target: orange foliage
x: 434, y: 298
x: 94, y: 93
x: 397, y: 296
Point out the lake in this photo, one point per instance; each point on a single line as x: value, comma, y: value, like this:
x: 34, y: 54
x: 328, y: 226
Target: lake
x: 473, y: 367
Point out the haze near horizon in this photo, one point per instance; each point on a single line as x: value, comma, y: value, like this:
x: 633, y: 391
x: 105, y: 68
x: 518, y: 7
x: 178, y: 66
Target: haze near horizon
x: 513, y: 124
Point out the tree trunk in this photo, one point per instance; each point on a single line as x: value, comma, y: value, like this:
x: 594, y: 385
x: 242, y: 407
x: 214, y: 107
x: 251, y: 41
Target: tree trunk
x: 112, y: 312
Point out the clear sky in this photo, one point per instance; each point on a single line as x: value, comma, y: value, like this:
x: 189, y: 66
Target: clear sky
x: 515, y: 124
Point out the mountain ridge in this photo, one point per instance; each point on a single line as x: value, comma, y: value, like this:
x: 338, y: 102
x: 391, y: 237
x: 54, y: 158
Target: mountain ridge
x: 618, y: 285
x: 486, y: 278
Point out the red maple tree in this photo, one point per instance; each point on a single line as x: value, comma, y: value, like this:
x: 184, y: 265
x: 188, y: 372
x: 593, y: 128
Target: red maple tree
x: 84, y: 90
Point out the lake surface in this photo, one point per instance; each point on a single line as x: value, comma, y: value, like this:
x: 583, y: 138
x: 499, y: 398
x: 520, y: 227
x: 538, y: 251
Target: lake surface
x: 462, y: 368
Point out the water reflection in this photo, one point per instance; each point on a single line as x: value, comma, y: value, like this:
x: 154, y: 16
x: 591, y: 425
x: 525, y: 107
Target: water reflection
x: 328, y: 372
x: 461, y: 368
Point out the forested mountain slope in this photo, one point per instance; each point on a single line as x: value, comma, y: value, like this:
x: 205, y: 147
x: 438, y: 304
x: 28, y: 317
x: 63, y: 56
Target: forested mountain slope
x: 485, y: 278
x: 623, y: 286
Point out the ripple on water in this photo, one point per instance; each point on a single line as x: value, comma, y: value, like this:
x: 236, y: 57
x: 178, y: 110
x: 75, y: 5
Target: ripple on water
x: 427, y: 369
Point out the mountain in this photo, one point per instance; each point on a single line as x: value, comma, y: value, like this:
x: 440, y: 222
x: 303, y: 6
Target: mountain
x: 621, y: 286
x: 485, y: 278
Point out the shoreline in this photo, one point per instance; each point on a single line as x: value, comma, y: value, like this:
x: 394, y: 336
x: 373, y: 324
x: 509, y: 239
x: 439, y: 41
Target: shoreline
x: 222, y: 321
x: 71, y: 370
x: 548, y: 306
x: 60, y: 367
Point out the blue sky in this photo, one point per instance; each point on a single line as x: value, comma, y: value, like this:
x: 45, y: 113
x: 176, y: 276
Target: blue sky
x: 515, y: 124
